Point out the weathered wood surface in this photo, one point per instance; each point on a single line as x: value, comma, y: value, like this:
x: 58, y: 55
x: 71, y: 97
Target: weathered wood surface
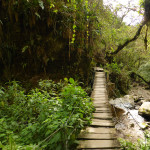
x: 101, y: 134
x: 100, y: 144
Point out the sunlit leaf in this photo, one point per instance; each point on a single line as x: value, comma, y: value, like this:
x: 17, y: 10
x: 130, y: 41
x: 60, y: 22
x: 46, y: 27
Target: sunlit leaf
x: 71, y: 80
x: 25, y: 48
x: 41, y: 4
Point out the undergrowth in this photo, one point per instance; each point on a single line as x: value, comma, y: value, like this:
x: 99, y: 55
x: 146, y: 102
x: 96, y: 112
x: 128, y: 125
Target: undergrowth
x: 46, y: 118
x: 139, y: 145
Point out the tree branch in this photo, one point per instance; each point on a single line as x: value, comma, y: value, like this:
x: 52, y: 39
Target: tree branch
x: 121, y: 46
x: 133, y: 73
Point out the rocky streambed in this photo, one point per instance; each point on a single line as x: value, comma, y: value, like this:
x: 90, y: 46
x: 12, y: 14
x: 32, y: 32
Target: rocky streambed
x: 132, y: 114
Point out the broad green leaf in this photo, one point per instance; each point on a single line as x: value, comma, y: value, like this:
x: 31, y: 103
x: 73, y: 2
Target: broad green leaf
x: 71, y: 80
x: 66, y: 79
x: 52, y: 5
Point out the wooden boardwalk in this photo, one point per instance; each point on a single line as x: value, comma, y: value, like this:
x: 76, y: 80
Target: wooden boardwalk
x: 101, y: 134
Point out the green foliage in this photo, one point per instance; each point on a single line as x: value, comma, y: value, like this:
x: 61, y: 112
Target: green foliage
x: 63, y: 40
x: 144, y: 71
x: 49, y: 117
x: 119, y: 76
x: 139, y: 145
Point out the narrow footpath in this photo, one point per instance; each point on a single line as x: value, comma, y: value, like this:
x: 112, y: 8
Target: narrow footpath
x: 101, y: 134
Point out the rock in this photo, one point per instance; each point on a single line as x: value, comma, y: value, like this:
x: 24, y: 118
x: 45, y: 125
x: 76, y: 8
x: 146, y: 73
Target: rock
x: 123, y: 103
x: 138, y: 99
x: 147, y: 100
x: 144, y: 110
x: 140, y: 102
x: 137, y: 107
x: 143, y: 125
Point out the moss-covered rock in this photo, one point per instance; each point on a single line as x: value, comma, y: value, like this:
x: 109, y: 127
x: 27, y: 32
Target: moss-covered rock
x: 144, y: 110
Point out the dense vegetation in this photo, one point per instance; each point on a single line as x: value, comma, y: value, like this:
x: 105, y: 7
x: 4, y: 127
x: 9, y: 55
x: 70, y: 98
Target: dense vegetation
x: 49, y: 117
x: 54, y: 39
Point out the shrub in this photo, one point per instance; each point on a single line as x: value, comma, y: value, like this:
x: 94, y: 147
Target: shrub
x: 49, y: 117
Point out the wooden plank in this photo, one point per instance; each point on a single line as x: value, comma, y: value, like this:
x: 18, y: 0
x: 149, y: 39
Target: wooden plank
x: 102, y: 115
x: 101, y: 120
x: 92, y: 136
x: 99, y: 92
x: 102, y: 123
x: 100, y: 100
x: 100, y: 79
x: 100, y: 130
x: 100, y: 83
x: 104, y: 97
x: 99, y: 95
x: 101, y: 103
x: 103, y: 109
x: 97, y: 102
x: 99, y: 89
x: 101, y: 144
x: 98, y: 86
x: 100, y: 73
x: 102, y: 106
x: 100, y: 76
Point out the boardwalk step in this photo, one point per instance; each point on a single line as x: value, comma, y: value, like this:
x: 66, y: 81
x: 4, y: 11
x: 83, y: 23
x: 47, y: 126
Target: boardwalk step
x: 107, y: 116
x: 99, y: 89
x: 102, y: 106
x: 100, y: 99
x: 100, y: 144
x: 103, y: 109
x: 102, y: 123
x: 99, y: 102
x: 99, y: 96
x: 92, y: 136
x: 100, y: 130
